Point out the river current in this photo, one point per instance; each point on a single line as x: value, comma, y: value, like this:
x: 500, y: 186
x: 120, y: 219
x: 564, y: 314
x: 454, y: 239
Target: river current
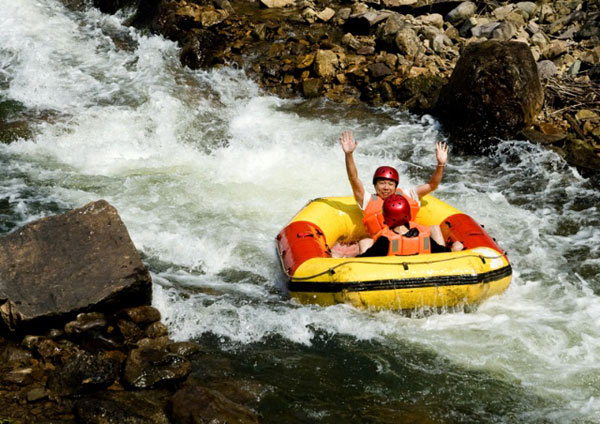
x: 205, y: 169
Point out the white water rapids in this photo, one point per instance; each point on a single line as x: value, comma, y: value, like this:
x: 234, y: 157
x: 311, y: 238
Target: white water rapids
x: 205, y: 169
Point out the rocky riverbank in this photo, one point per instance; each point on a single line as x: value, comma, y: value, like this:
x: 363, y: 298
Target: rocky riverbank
x: 114, y: 368
x: 397, y: 53
x: 79, y: 341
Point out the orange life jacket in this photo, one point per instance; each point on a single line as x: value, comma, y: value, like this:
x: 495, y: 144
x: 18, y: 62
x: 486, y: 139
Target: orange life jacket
x: 401, y: 245
x: 373, y: 214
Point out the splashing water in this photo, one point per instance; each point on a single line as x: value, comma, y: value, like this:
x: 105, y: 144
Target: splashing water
x: 205, y: 169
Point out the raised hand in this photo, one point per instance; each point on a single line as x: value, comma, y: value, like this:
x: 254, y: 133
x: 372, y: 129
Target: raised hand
x: 347, y: 141
x: 441, y: 152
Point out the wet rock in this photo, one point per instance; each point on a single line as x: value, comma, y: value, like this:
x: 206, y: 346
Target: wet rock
x: 541, y: 138
x: 158, y: 343
x: 20, y: 377
x: 201, y: 49
x: 43, y: 346
x: 123, y: 408
x: 110, y: 6
x: 581, y: 154
x: 55, y: 333
x: 83, y: 373
x: 61, y: 265
x: 147, y: 15
x: 156, y: 329
x: 198, y: 405
x: 142, y: 315
x: 130, y: 331
x: 420, y: 94
x: 494, y: 91
x: 463, y: 11
x: 146, y: 368
x: 93, y: 321
x: 13, y: 357
x: 184, y: 348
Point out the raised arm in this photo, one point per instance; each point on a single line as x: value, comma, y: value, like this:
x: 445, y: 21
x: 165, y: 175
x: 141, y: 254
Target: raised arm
x: 441, y: 154
x: 348, y: 145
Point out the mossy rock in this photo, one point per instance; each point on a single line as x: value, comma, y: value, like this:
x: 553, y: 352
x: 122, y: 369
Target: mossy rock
x: 581, y: 154
x: 420, y: 94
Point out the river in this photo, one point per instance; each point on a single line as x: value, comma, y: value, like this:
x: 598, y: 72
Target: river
x: 205, y: 169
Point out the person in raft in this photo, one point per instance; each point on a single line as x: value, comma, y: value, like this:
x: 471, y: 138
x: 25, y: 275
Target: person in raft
x: 385, y: 182
x: 401, y: 236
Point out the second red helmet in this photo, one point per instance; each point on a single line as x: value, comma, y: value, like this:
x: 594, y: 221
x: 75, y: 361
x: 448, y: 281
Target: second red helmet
x: 386, y: 172
x: 396, y: 210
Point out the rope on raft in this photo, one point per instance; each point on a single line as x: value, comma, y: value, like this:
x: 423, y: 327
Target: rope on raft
x: 404, y: 264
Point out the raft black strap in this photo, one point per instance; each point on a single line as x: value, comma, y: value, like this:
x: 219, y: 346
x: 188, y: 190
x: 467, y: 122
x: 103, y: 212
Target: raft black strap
x: 405, y: 283
x: 330, y: 270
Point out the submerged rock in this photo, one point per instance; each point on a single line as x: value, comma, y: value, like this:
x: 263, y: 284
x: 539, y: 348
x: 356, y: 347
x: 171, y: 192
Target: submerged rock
x: 123, y: 407
x: 61, y: 265
x: 201, y: 405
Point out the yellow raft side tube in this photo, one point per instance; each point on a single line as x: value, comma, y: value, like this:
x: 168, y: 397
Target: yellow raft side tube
x: 437, y: 280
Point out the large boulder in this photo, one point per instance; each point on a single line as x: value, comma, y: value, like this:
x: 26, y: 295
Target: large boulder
x: 494, y: 92
x: 56, y: 267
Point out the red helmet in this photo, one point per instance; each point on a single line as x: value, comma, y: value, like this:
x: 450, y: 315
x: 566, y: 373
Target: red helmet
x: 386, y: 172
x: 396, y: 210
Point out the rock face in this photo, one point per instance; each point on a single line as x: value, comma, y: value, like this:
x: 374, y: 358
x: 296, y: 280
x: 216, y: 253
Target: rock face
x: 58, y: 266
x: 494, y: 91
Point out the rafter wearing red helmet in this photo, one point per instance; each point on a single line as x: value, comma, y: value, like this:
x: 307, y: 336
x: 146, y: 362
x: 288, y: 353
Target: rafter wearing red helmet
x: 385, y: 182
x: 402, y: 236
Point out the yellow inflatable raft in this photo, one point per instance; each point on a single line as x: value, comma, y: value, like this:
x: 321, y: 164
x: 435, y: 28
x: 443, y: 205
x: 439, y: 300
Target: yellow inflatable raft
x: 435, y: 280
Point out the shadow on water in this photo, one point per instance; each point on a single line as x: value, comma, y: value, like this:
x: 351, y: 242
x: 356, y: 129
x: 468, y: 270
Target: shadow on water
x: 341, y: 379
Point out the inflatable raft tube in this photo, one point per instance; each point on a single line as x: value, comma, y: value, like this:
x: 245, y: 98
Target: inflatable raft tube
x: 435, y: 280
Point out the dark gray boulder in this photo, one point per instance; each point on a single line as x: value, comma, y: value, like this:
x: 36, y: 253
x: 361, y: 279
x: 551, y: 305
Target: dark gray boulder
x: 494, y: 92
x: 59, y: 266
